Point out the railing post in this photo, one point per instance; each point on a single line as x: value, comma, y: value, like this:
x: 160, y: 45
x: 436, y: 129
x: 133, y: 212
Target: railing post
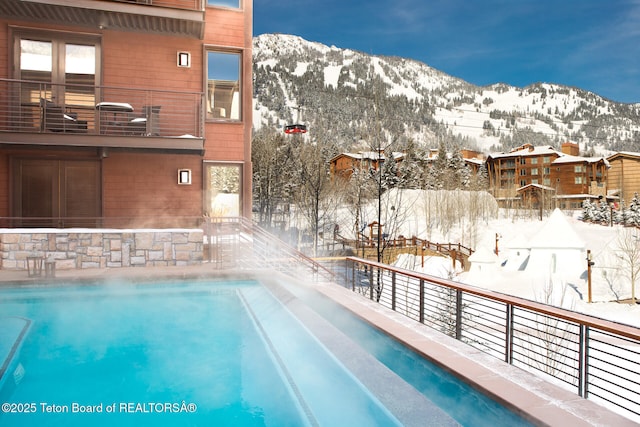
x: 508, y: 335
x: 583, y: 364
x: 353, y: 273
x: 370, y: 282
x: 421, y: 300
x: 458, y: 314
x: 393, y: 290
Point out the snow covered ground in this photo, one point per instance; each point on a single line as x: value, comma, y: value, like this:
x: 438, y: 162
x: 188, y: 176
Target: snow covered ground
x: 557, y: 259
x: 609, y: 276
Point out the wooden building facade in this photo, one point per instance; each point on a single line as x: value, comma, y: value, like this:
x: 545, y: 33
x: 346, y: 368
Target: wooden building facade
x: 624, y: 175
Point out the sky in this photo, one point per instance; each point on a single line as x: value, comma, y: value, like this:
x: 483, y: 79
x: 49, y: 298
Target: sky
x: 590, y: 44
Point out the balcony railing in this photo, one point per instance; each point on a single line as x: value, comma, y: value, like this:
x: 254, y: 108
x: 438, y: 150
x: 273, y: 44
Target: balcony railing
x: 178, y: 4
x: 31, y: 107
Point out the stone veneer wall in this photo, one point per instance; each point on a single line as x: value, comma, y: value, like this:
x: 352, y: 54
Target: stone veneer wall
x: 101, y: 248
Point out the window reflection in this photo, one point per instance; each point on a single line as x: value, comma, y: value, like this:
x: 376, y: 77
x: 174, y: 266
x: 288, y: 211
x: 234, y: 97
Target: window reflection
x: 223, y: 85
x: 225, y: 3
x: 223, y: 189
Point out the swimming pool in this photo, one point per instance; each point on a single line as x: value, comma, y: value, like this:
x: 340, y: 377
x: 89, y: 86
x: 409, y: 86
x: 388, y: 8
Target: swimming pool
x: 199, y: 353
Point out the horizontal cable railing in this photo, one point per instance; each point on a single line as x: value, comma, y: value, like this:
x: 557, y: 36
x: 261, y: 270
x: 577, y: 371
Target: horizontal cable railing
x: 598, y: 359
x: 178, y: 4
x: 36, y: 107
x: 238, y: 243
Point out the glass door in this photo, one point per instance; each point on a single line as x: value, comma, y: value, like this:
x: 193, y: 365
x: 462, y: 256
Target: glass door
x: 58, y: 71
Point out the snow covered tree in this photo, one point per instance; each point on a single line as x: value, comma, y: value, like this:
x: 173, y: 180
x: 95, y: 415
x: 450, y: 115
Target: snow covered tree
x: 389, y: 169
x: 272, y: 160
x: 633, y: 215
x: 437, y: 169
x: 588, y: 213
x: 629, y: 254
x: 458, y: 174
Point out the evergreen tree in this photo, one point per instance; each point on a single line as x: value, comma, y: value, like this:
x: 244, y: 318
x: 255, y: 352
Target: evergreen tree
x: 389, y: 170
x: 634, y: 211
x: 587, y: 211
x: 458, y: 172
x: 604, y: 212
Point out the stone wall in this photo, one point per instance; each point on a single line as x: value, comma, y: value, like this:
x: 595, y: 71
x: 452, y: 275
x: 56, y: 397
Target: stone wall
x: 101, y: 248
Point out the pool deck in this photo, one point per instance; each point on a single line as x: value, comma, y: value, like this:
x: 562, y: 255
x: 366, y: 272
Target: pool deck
x: 541, y: 402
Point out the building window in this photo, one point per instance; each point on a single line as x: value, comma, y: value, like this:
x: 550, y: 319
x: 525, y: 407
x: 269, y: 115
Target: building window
x: 534, y: 181
x: 578, y: 180
x: 523, y: 172
x: 547, y: 171
x: 578, y: 169
x: 534, y: 171
x: 225, y: 3
x: 59, y: 67
x: 546, y: 181
x: 523, y: 161
x: 223, y: 85
x: 534, y: 161
x: 523, y: 183
x: 546, y: 159
x: 223, y: 190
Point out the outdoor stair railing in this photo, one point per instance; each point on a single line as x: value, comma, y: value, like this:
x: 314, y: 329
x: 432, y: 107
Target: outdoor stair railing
x: 596, y: 358
x: 238, y: 243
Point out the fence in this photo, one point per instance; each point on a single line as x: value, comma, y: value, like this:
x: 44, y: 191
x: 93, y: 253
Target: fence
x: 598, y: 359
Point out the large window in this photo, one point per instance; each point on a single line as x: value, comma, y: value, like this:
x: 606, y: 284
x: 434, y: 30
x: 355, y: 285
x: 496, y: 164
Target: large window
x: 223, y: 190
x: 65, y: 67
x: 223, y: 85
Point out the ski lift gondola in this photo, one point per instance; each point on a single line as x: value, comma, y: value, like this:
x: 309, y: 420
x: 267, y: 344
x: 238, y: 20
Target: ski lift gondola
x: 297, y: 128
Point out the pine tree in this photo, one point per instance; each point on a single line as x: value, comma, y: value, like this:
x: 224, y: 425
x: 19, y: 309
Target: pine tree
x: 634, y: 211
x: 604, y: 212
x: 624, y: 213
x: 458, y: 171
x: 587, y: 211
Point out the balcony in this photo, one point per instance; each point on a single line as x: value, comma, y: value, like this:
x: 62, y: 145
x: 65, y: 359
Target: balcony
x: 172, y: 17
x: 37, y: 113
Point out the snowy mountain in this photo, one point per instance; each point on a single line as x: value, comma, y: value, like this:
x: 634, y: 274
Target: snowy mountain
x: 347, y: 96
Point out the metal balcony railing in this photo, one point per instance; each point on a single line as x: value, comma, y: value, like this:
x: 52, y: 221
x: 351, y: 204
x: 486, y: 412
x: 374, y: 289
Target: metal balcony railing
x: 177, y: 4
x: 35, y: 107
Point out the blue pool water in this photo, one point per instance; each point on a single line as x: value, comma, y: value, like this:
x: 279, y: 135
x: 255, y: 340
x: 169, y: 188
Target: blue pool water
x: 467, y: 406
x: 194, y: 354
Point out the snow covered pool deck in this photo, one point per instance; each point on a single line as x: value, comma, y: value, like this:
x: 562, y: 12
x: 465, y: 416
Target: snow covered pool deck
x: 539, y: 401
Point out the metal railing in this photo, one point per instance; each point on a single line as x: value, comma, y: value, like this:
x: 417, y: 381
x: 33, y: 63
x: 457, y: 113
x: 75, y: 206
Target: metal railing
x: 598, y: 359
x: 239, y: 243
x: 229, y: 242
x: 177, y: 4
x: 35, y: 107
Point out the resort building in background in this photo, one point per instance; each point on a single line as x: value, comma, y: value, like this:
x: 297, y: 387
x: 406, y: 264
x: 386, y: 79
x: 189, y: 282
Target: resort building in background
x: 624, y: 175
x: 529, y: 175
x: 124, y: 113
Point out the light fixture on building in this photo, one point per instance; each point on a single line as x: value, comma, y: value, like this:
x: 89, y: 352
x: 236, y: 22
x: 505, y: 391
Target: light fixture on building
x: 184, y: 176
x: 184, y: 59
